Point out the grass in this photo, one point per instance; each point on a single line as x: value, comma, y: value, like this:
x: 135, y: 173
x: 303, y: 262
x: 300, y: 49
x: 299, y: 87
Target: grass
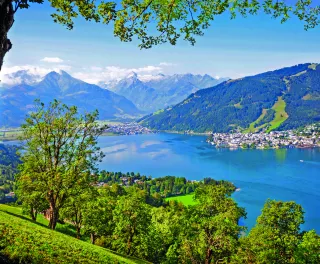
x: 252, y: 127
x: 313, y: 66
x: 23, y: 240
x: 299, y: 73
x: 280, y: 114
x: 185, y: 199
x: 158, y: 112
x: 238, y: 105
x: 279, y: 117
x: 307, y: 97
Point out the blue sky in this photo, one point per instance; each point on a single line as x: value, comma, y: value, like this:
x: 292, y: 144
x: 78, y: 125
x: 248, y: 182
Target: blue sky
x: 229, y: 48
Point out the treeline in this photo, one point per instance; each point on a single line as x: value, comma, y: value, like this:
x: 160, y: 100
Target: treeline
x: 123, y: 219
x: 9, y: 161
x: 165, y: 186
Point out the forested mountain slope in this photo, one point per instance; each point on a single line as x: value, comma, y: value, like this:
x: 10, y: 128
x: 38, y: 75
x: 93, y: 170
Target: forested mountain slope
x: 281, y: 99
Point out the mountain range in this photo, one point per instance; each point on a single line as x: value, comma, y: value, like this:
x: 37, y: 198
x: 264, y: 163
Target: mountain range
x: 127, y: 98
x: 17, y: 101
x: 159, y: 91
x: 282, y: 99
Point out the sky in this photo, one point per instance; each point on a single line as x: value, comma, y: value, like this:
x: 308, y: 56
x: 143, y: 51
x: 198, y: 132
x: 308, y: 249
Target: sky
x: 229, y: 48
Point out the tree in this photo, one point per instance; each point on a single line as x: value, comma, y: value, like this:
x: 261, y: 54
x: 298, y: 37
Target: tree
x: 60, y: 153
x: 211, y: 231
x: 33, y: 201
x: 309, y: 248
x: 97, y: 215
x: 276, y: 236
x: 171, y: 19
x: 74, y: 208
x: 166, y: 225
x: 132, y: 219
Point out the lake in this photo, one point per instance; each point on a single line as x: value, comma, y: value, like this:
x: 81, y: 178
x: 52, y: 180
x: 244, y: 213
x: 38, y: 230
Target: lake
x: 260, y: 174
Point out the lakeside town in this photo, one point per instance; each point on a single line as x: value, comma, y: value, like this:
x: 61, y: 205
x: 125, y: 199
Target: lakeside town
x: 307, y: 137
x: 130, y: 128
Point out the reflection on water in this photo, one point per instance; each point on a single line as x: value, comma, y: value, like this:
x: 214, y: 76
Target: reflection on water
x: 281, y: 154
x: 114, y: 149
x: 260, y: 174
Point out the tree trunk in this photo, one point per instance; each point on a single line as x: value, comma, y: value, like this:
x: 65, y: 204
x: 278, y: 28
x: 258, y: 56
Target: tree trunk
x: 78, y: 228
x: 53, y: 217
x: 6, y: 22
x: 33, y: 214
x: 208, y: 256
x: 93, y: 238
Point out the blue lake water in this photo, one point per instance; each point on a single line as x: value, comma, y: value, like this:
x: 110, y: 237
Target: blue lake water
x: 260, y: 174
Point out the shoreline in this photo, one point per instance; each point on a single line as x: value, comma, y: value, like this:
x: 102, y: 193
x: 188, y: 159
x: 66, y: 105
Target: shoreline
x: 184, y: 133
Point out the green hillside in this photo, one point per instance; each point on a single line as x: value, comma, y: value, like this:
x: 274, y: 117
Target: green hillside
x: 24, y: 241
x: 270, y: 118
x: 282, y: 99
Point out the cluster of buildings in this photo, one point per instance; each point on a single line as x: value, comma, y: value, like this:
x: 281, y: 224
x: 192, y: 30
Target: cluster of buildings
x: 128, y: 181
x: 128, y: 129
x: 274, y: 139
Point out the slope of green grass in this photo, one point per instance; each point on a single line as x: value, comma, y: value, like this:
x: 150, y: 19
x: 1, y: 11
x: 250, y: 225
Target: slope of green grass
x: 41, y: 220
x: 252, y: 127
x: 279, y: 117
x: 158, y: 112
x: 280, y: 114
x: 185, y: 199
x: 24, y: 241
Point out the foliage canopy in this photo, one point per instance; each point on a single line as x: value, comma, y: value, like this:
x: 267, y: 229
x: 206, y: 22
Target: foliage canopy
x: 60, y: 155
x: 173, y: 19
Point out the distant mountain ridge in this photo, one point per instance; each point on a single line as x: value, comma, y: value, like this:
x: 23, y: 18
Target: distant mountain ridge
x: 281, y: 99
x: 160, y: 91
x: 20, y: 77
x: 17, y: 101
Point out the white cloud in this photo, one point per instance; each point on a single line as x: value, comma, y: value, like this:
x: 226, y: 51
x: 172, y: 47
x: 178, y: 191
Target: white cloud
x: 113, y: 73
x: 166, y: 64
x: 36, y: 73
x: 52, y: 60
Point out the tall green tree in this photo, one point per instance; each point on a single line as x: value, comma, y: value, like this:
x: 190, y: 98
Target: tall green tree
x: 154, y: 22
x: 276, y: 236
x: 75, y: 206
x: 132, y: 219
x: 60, y: 153
x: 309, y: 248
x: 98, y: 214
x: 211, y: 233
x: 32, y: 199
x: 164, y: 233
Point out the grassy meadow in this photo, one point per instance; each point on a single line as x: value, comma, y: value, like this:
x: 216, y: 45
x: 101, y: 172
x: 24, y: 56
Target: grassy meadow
x: 185, y: 199
x: 23, y: 240
x: 280, y: 115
